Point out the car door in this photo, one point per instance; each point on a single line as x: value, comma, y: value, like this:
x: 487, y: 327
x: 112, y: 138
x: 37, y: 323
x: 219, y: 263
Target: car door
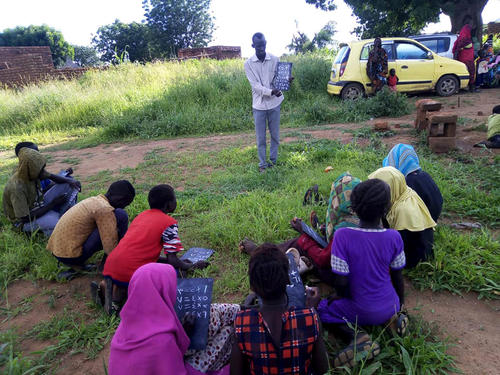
x: 363, y: 61
x: 414, y: 66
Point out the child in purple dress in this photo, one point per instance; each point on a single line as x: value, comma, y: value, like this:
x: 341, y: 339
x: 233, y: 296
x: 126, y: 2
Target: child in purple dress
x: 367, y: 263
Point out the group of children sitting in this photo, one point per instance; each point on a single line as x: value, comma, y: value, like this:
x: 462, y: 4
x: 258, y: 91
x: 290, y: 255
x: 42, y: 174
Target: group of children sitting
x: 374, y: 229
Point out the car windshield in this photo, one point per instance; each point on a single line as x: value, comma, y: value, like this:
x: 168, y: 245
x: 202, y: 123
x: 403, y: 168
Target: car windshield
x: 339, y: 59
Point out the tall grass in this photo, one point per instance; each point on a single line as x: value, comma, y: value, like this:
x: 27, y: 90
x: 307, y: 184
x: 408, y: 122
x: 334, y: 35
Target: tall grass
x: 166, y: 99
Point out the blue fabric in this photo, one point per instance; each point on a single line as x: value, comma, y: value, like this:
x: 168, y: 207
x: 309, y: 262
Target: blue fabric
x: 404, y: 158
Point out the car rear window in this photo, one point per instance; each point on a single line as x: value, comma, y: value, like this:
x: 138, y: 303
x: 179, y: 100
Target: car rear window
x: 342, y: 55
x: 437, y: 45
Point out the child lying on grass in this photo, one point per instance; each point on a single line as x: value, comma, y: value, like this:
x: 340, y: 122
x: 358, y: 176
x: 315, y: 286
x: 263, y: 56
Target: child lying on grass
x: 149, y: 233
x: 367, y: 263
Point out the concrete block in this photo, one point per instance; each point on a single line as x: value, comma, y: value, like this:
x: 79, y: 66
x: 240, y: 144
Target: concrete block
x: 443, y: 117
x: 441, y: 144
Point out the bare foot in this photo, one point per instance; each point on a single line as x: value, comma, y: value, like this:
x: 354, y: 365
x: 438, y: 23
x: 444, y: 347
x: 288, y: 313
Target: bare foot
x: 296, y: 224
x: 247, y: 246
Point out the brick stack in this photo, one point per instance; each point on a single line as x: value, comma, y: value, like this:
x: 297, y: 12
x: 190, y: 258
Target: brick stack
x: 423, y: 107
x: 214, y: 52
x: 20, y: 66
x: 442, y: 131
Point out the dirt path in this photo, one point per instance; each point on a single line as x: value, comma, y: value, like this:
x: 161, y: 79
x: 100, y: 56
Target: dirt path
x: 471, y: 324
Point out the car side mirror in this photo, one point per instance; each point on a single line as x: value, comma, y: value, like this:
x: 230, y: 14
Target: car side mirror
x: 429, y: 55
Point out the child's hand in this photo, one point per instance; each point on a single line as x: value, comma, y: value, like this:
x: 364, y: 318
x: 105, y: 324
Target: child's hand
x: 201, y: 264
x: 188, y: 321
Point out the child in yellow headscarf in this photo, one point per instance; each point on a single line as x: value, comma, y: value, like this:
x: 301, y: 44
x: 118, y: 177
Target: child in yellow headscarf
x: 408, y: 215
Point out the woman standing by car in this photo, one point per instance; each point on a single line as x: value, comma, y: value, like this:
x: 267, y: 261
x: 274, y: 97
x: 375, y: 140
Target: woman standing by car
x: 463, y: 51
x: 376, y: 68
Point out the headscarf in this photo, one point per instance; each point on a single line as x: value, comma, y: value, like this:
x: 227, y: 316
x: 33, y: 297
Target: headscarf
x: 408, y: 211
x: 339, y: 213
x: 31, y: 163
x: 150, y: 338
x: 404, y: 158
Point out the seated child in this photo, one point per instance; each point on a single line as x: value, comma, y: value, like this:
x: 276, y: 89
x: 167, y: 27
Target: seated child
x: 493, y: 130
x: 274, y: 339
x: 338, y: 215
x: 409, y: 215
x: 24, y: 202
x: 367, y: 262
x: 405, y: 159
x: 392, y: 80
x: 149, y: 233
x: 152, y: 340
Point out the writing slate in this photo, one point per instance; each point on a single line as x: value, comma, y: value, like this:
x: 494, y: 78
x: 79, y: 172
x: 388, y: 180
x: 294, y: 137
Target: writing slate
x: 195, y: 296
x: 295, y: 290
x: 314, y: 235
x: 282, y: 76
x: 196, y: 254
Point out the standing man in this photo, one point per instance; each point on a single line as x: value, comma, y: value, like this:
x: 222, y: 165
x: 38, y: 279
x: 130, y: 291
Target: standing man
x: 266, y: 100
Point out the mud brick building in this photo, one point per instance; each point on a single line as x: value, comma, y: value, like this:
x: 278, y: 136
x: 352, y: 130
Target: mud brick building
x: 20, y: 66
x: 214, y: 52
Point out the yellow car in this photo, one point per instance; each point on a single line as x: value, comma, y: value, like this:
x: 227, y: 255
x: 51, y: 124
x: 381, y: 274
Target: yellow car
x: 417, y: 67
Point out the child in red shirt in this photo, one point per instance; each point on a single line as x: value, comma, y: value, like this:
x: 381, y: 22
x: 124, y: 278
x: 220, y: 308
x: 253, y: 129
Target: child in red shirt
x: 149, y: 233
x: 392, y: 80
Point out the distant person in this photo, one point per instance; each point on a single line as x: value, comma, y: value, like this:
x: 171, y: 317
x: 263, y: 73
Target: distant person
x: 96, y: 223
x: 152, y: 340
x: 463, y: 51
x: 368, y: 263
x: 266, y: 100
x: 409, y: 215
x: 404, y: 158
x: 275, y: 339
x: 25, y: 204
x: 493, y: 130
x: 376, y: 68
x: 392, y: 80
x: 149, y: 233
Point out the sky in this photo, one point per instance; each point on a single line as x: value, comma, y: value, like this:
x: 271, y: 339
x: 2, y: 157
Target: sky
x: 235, y: 20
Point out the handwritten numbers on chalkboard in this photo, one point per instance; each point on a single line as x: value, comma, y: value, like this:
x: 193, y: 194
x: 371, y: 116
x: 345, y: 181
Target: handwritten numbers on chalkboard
x: 282, y: 76
x: 195, y: 296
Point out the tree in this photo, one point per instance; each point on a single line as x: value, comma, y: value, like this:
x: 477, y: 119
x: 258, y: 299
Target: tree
x: 86, y: 56
x: 39, y: 36
x: 178, y: 24
x: 118, y: 38
x: 405, y: 17
x: 302, y: 44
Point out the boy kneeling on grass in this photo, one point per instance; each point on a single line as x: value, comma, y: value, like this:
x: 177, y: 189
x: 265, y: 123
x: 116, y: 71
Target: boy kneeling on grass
x: 149, y: 233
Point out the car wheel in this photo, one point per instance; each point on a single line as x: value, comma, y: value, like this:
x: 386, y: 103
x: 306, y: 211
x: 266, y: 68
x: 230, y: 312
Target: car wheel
x: 352, y: 91
x: 447, y: 86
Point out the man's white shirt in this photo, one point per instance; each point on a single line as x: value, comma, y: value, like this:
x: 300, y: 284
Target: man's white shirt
x: 261, y: 75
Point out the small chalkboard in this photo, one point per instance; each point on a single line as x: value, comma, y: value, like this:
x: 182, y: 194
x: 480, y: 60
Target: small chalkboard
x: 282, y: 76
x: 315, y: 236
x: 295, y: 290
x: 195, y: 296
x: 196, y: 254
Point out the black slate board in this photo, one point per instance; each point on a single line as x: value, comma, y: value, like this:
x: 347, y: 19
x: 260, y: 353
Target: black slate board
x: 195, y: 295
x: 282, y: 76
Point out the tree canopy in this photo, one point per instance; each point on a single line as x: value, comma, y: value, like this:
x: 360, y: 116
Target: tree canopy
x: 39, y: 36
x: 118, y: 38
x: 301, y: 42
x: 406, y: 17
x: 178, y: 24
x: 86, y: 56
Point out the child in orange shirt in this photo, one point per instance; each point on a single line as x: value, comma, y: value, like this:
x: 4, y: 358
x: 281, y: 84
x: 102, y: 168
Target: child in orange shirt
x: 392, y: 80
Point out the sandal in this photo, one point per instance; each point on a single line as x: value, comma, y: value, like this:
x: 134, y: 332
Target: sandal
x: 305, y: 265
x: 398, y: 324
x: 67, y: 275
x: 367, y: 348
x: 296, y: 255
x: 313, y: 218
x: 308, y: 196
x: 95, y: 294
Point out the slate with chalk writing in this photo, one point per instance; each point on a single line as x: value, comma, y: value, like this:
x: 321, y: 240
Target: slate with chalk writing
x: 196, y: 254
x: 195, y: 296
x: 282, y: 76
x: 315, y: 236
x: 295, y: 290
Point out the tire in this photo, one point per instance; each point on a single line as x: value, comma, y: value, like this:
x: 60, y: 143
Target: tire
x: 352, y: 91
x: 447, y: 85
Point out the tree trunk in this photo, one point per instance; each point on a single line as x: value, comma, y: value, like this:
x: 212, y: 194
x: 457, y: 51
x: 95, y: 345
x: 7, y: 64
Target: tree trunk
x: 458, y: 10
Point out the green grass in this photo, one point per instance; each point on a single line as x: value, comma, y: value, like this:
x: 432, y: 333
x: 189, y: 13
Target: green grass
x: 169, y: 99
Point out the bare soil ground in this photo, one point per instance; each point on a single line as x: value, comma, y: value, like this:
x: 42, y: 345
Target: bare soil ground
x: 471, y: 323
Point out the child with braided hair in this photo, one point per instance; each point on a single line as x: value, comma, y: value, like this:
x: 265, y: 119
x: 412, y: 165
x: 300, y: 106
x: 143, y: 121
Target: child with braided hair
x: 367, y: 262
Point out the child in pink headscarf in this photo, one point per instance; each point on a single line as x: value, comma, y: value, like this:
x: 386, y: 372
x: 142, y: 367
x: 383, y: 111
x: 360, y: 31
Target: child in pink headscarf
x: 151, y: 339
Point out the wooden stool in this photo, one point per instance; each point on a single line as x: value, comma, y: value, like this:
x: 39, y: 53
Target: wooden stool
x: 442, y: 139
